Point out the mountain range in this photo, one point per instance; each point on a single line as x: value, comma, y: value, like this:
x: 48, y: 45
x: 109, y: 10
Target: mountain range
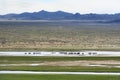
x: 59, y: 15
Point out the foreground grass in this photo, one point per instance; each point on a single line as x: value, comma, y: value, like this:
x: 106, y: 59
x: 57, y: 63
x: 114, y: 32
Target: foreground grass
x: 37, y: 59
x: 57, y: 77
x: 60, y: 68
x: 9, y: 59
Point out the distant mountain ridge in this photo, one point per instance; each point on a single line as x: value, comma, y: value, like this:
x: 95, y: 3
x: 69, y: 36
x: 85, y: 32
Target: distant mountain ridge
x: 59, y: 15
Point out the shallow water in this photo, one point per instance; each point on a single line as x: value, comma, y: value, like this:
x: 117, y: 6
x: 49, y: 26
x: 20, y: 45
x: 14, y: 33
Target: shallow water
x: 100, y: 65
x: 45, y: 53
x: 20, y: 64
x: 36, y: 72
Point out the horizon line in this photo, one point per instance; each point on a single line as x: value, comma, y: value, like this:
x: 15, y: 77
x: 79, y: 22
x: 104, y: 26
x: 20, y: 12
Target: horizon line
x: 61, y: 11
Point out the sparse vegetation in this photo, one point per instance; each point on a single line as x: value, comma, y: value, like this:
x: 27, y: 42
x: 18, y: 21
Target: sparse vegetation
x: 58, y: 35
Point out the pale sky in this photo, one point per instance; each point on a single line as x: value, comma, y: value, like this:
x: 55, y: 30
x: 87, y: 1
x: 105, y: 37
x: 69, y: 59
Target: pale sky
x: 73, y: 6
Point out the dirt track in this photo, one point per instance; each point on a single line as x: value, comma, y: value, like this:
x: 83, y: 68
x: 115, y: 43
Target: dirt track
x: 69, y: 63
x: 81, y: 63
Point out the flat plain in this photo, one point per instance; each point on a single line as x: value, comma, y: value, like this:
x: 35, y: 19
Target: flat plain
x: 59, y: 35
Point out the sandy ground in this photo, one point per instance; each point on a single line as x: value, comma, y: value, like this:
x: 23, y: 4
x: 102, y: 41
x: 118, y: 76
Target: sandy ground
x: 81, y: 63
x: 69, y: 63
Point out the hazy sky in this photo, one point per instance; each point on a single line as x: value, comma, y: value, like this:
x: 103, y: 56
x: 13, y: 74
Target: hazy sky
x: 81, y: 6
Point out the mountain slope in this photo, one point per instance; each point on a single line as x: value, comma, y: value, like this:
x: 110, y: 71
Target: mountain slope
x: 41, y: 15
x: 60, y: 15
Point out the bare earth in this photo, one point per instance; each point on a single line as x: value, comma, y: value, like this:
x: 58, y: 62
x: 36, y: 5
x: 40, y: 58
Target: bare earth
x: 103, y: 63
x: 81, y: 63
